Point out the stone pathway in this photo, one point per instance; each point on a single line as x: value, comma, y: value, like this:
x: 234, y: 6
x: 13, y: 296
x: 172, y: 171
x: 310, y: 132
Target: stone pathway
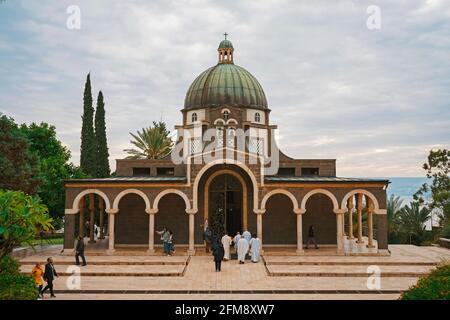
x: 300, y: 277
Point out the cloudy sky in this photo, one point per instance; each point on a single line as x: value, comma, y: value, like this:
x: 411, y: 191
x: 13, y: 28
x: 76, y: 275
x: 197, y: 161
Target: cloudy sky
x: 376, y: 100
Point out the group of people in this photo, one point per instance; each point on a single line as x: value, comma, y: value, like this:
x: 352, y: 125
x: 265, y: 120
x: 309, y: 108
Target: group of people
x: 47, y: 274
x: 167, y: 240
x: 243, y: 244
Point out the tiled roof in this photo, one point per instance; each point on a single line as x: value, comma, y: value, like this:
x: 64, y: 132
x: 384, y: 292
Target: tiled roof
x: 321, y: 179
x: 132, y: 179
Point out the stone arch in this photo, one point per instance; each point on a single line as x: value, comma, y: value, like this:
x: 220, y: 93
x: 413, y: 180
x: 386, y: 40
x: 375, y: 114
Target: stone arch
x: 219, y: 122
x: 365, y: 192
x: 279, y: 191
x: 77, y: 199
x: 128, y: 191
x: 231, y: 121
x: 323, y: 191
x: 225, y: 161
x: 167, y: 191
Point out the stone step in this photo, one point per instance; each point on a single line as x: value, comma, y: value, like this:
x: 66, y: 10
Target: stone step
x: 111, y: 260
x: 351, y: 263
x: 344, y: 271
x: 119, y: 271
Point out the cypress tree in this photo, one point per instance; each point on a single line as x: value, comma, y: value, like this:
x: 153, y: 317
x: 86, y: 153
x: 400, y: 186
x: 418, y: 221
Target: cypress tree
x: 100, y: 136
x: 88, y: 145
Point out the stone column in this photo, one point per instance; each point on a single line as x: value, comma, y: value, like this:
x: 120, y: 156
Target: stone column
x: 191, y: 213
x: 299, y: 213
x: 340, y: 231
x: 151, y: 230
x: 81, y: 221
x: 369, y: 223
x: 101, y: 206
x: 350, y: 217
x: 259, y: 225
x: 69, y: 232
x: 359, y: 208
x: 91, y: 223
x: 111, y: 213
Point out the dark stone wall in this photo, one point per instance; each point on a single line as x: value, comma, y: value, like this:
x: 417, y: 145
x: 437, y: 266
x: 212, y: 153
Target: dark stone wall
x: 382, y: 230
x: 319, y: 212
x: 69, y: 230
x: 131, y: 222
x: 279, y: 221
x: 172, y: 214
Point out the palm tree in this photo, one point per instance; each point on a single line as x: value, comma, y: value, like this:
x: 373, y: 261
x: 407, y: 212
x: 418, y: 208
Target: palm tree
x: 153, y: 142
x: 412, y: 221
x: 394, y: 204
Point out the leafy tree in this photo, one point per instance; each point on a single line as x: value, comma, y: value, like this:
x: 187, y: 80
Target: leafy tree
x: 411, y: 221
x: 19, y: 167
x: 54, y: 166
x: 152, y: 143
x: 103, y: 170
x: 88, y: 145
x: 438, y: 169
x: 21, y: 217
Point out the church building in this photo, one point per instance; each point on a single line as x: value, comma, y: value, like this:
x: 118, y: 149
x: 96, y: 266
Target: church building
x: 226, y: 162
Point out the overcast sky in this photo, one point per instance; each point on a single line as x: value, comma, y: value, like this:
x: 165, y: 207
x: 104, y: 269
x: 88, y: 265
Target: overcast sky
x: 376, y: 100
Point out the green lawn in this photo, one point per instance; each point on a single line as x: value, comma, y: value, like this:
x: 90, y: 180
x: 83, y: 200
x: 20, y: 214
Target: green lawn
x: 46, y: 241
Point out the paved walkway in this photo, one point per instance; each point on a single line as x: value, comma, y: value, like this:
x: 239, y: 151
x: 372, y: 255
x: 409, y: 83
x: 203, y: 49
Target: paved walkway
x: 247, y: 281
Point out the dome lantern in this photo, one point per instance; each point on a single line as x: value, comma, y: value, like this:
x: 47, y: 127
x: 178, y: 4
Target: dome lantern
x: 225, y: 50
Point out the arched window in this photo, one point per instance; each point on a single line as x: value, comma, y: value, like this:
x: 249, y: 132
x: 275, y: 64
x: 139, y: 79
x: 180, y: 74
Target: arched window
x: 194, y: 117
x: 226, y: 115
x: 257, y: 117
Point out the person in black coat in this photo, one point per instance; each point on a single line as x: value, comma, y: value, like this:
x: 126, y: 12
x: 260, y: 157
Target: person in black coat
x: 79, y: 251
x: 49, y: 276
x: 218, y: 252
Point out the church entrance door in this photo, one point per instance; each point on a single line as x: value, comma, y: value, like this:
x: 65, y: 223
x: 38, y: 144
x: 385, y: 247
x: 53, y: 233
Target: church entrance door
x: 225, y: 204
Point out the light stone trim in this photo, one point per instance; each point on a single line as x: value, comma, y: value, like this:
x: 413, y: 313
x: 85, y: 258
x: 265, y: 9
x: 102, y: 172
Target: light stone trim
x: 280, y: 191
x: 322, y: 191
x: 167, y: 191
x: 75, y: 205
x: 377, y: 209
x: 128, y: 191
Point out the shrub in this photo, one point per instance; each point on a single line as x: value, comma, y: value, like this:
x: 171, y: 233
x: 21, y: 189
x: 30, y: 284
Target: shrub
x: 13, y: 285
x: 433, y: 286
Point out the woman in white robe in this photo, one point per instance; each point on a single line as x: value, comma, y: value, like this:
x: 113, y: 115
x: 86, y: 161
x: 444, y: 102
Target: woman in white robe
x: 255, y: 248
x: 226, y: 242
x: 242, y: 249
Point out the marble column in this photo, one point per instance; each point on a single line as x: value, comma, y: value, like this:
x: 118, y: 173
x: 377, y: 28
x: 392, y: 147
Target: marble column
x: 259, y: 225
x: 191, y: 213
x: 111, y: 214
x: 340, y: 231
x: 101, y: 206
x: 369, y: 223
x: 151, y: 230
x: 299, y: 213
x: 92, y: 220
x: 359, y: 208
x: 81, y: 221
x: 350, y: 217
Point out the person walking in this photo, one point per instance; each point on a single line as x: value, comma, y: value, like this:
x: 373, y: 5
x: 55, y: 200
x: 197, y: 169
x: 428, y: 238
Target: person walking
x: 236, y: 240
x: 242, y: 250
x: 207, y: 239
x: 218, y: 253
x: 255, y: 248
x: 226, y: 242
x: 311, y: 237
x: 171, y: 248
x: 49, y: 276
x: 163, y: 238
x: 79, y: 251
x: 37, y: 273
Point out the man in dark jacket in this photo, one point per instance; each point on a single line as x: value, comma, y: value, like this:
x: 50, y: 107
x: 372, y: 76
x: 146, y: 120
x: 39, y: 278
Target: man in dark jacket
x: 79, y: 252
x: 49, y: 276
x: 218, y: 252
x: 311, y: 237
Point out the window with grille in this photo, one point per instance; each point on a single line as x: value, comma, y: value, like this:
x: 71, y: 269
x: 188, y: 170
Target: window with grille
x: 226, y: 115
x: 219, y: 137
x: 231, y: 133
x: 256, y: 145
x: 194, y: 117
x: 195, y: 146
x: 257, y: 117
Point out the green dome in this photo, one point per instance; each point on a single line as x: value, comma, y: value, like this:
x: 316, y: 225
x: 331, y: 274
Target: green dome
x: 225, y: 85
x: 225, y: 44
